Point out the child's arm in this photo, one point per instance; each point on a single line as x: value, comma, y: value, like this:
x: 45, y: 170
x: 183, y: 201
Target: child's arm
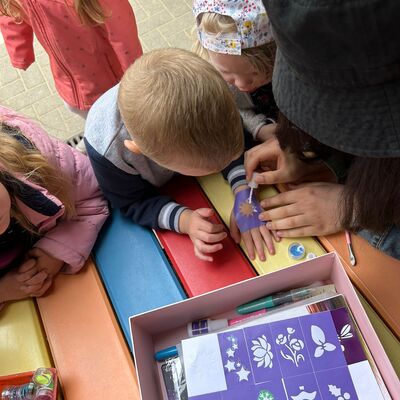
x: 121, y: 28
x: 137, y: 199
x: 259, y: 125
x: 18, y: 38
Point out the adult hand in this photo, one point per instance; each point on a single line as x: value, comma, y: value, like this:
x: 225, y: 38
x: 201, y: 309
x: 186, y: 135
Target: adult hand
x: 279, y: 166
x: 204, y: 234
x: 312, y: 209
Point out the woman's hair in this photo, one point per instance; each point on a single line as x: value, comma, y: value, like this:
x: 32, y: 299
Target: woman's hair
x: 17, y: 159
x: 261, y: 57
x: 90, y: 12
x: 371, y: 196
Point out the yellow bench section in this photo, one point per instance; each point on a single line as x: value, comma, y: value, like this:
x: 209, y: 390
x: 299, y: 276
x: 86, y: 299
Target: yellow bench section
x: 220, y: 194
x: 90, y: 354
x: 22, y: 343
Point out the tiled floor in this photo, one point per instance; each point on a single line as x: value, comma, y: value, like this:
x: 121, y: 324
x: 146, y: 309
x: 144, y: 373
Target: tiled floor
x: 162, y: 23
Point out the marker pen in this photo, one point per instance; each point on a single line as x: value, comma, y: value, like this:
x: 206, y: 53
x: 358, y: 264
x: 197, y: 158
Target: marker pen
x: 280, y: 298
x: 204, y: 326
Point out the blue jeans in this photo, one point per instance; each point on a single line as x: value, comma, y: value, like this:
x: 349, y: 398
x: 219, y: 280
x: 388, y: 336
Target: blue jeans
x: 387, y: 242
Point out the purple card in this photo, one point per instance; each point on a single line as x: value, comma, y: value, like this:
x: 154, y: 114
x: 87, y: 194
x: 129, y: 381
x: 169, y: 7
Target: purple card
x: 336, y: 384
x: 264, y: 359
x: 348, y: 338
x: 235, y: 359
x: 303, y: 387
x: 290, y: 346
x: 267, y: 391
x: 322, y: 341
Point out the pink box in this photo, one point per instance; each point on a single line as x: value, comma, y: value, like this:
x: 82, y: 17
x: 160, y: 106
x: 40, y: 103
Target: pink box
x: 166, y: 326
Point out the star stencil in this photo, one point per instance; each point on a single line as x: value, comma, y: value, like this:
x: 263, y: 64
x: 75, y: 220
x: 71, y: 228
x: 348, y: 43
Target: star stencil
x: 230, y: 366
x: 235, y: 347
x: 243, y: 374
x: 230, y: 352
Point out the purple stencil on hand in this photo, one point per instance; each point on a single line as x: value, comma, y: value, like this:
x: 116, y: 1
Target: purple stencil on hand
x: 336, y: 384
x: 246, y: 214
x: 322, y: 342
x: 235, y: 359
x: 349, y: 341
x: 266, y: 391
x: 302, y: 387
x: 263, y: 357
x: 290, y: 347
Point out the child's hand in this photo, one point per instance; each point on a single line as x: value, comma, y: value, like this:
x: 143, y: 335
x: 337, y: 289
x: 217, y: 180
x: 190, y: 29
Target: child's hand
x: 253, y: 239
x: 266, y: 132
x: 204, y: 234
x: 32, y: 282
x: 279, y: 166
x: 45, y: 262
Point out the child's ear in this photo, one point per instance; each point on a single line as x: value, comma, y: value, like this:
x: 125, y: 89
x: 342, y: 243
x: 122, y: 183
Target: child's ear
x: 132, y: 146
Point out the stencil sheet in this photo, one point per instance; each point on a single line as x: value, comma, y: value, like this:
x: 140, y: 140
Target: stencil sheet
x: 313, y: 357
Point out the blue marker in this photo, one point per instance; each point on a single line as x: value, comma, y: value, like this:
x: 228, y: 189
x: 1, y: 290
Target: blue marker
x: 166, y: 353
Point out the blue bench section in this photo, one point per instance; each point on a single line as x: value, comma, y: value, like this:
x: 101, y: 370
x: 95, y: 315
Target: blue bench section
x: 134, y: 269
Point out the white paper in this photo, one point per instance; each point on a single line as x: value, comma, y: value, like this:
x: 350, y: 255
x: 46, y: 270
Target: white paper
x: 364, y: 381
x: 204, y: 369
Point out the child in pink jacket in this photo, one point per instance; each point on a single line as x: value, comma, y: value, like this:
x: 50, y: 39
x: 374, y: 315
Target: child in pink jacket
x: 90, y: 43
x: 51, y: 208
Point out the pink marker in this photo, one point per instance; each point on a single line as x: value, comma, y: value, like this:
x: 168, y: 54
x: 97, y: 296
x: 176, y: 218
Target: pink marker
x: 203, y: 326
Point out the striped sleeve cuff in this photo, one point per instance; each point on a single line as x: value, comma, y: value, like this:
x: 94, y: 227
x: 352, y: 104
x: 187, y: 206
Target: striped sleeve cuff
x: 169, y: 216
x: 237, y: 177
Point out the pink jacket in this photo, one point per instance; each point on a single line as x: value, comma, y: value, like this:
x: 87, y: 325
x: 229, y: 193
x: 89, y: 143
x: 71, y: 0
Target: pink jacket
x: 86, y: 61
x: 68, y: 240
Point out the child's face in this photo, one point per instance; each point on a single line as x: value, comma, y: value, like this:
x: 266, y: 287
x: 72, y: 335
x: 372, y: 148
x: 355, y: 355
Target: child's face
x: 238, y: 71
x: 5, y: 209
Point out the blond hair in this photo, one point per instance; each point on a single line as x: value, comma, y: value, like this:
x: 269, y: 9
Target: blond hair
x: 174, y: 103
x: 16, y: 159
x: 261, y: 57
x: 89, y: 12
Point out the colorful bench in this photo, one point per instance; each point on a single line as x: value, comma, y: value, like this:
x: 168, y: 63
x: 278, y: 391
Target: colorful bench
x: 85, y: 338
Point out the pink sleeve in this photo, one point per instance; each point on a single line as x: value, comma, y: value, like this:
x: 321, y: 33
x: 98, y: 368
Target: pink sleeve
x: 121, y: 28
x: 18, y: 38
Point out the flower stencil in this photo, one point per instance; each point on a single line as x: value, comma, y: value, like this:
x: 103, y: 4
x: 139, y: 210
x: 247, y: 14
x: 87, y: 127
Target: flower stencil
x: 262, y: 352
x: 293, y: 346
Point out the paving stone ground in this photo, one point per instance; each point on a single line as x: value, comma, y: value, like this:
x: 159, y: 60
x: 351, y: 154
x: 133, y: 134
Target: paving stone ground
x: 162, y: 23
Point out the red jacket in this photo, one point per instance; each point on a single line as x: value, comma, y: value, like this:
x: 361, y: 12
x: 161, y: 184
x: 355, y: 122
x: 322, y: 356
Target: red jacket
x: 86, y: 61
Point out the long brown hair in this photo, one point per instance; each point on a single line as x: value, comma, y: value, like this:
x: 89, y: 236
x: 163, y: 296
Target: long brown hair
x: 17, y: 159
x: 371, y: 197
x: 90, y: 12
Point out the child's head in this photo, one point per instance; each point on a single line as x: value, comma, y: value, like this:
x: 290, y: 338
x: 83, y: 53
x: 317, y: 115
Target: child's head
x: 180, y: 112
x: 19, y: 161
x: 235, y: 36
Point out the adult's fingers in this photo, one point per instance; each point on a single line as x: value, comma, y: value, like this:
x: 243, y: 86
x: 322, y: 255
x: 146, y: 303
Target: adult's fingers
x: 280, y: 199
x: 297, y: 221
x: 280, y: 213
x: 257, y: 155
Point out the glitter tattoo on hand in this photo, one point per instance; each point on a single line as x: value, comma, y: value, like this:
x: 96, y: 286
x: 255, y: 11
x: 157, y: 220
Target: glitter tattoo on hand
x: 246, y: 211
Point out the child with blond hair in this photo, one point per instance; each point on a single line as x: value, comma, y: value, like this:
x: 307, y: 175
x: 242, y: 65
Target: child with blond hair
x: 51, y: 208
x: 172, y: 113
x: 235, y: 37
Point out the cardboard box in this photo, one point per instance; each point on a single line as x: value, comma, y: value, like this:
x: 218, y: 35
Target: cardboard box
x: 166, y: 326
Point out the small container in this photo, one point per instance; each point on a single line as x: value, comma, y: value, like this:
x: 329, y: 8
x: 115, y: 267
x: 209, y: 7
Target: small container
x: 296, y: 251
